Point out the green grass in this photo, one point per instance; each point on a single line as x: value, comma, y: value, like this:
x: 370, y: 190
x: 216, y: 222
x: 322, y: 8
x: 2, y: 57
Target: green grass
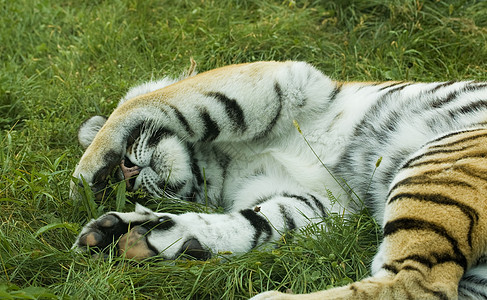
x: 63, y: 61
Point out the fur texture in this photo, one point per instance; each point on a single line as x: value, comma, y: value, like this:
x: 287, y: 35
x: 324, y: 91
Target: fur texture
x: 235, y: 124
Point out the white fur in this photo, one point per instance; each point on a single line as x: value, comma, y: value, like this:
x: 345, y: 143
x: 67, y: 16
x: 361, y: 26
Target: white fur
x: 147, y: 87
x: 89, y: 129
x: 278, y: 174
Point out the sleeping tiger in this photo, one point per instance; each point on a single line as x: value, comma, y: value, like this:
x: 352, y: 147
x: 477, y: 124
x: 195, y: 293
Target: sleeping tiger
x: 228, y: 136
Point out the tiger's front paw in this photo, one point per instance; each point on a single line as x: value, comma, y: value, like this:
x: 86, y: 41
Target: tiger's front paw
x: 110, y: 230
x: 139, y: 235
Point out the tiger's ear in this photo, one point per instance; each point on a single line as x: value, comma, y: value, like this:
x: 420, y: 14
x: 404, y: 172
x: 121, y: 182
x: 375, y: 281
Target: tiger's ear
x: 88, y: 130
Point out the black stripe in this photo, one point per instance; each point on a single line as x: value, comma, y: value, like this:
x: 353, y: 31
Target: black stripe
x: 182, y: 120
x: 425, y: 179
x: 151, y: 247
x: 475, y: 85
x: 99, y: 182
x: 469, y: 108
x: 151, y: 187
x: 470, y: 171
x: 391, y: 85
x: 290, y: 224
x: 223, y: 161
x: 481, y: 260
x: 133, y: 134
x: 442, y: 85
x: 212, y: 130
x: 450, y: 135
x: 262, y: 199
x: 462, y: 140
x: 368, y: 124
x: 233, y: 109
x: 475, y: 279
x: 195, y: 168
x: 396, y: 89
x: 335, y: 92
x: 156, y: 135
x: 440, y: 102
x: 470, y: 212
x: 164, y: 223
x: 260, y: 225
x: 417, y: 258
x: 300, y: 198
x: 394, y: 226
x: 410, y: 163
x: 469, y: 87
x: 388, y: 125
x: 448, y: 160
x: 112, y: 158
x: 272, y: 123
x: 442, y: 258
x: 390, y: 268
x: 395, y: 161
x: 464, y: 288
x: 319, y: 205
x: 172, y: 188
x: 411, y: 268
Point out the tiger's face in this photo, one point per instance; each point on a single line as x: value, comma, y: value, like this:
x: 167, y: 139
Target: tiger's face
x: 158, y: 163
x: 155, y: 161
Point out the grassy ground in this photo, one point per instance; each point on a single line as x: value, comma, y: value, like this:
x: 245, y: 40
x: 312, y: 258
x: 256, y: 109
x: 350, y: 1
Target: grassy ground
x: 63, y: 61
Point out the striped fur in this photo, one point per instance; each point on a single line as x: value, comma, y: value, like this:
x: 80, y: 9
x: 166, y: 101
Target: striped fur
x: 434, y: 227
x: 231, y: 130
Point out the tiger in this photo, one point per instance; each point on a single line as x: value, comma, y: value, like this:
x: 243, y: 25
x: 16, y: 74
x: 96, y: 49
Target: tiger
x: 233, y: 137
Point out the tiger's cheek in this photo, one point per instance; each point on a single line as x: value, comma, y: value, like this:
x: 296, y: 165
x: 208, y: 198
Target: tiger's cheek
x: 171, y: 160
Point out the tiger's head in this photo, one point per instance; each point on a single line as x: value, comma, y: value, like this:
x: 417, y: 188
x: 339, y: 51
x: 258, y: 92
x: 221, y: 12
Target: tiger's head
x: 155, y: 160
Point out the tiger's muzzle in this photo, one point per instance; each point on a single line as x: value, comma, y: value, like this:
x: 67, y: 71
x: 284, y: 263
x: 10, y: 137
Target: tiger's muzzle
x: 130, y: 172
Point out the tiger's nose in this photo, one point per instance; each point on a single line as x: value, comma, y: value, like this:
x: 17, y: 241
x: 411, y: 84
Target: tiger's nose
x: 130, y: 172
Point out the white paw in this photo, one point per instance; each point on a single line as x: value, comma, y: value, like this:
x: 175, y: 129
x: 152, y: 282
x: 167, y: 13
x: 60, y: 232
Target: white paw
x: 139, y: 235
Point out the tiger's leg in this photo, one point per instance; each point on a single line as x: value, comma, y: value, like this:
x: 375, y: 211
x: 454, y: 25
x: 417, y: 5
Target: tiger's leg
x: 435, y: 225
x: 264, y: 217
x: 249, y: 102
